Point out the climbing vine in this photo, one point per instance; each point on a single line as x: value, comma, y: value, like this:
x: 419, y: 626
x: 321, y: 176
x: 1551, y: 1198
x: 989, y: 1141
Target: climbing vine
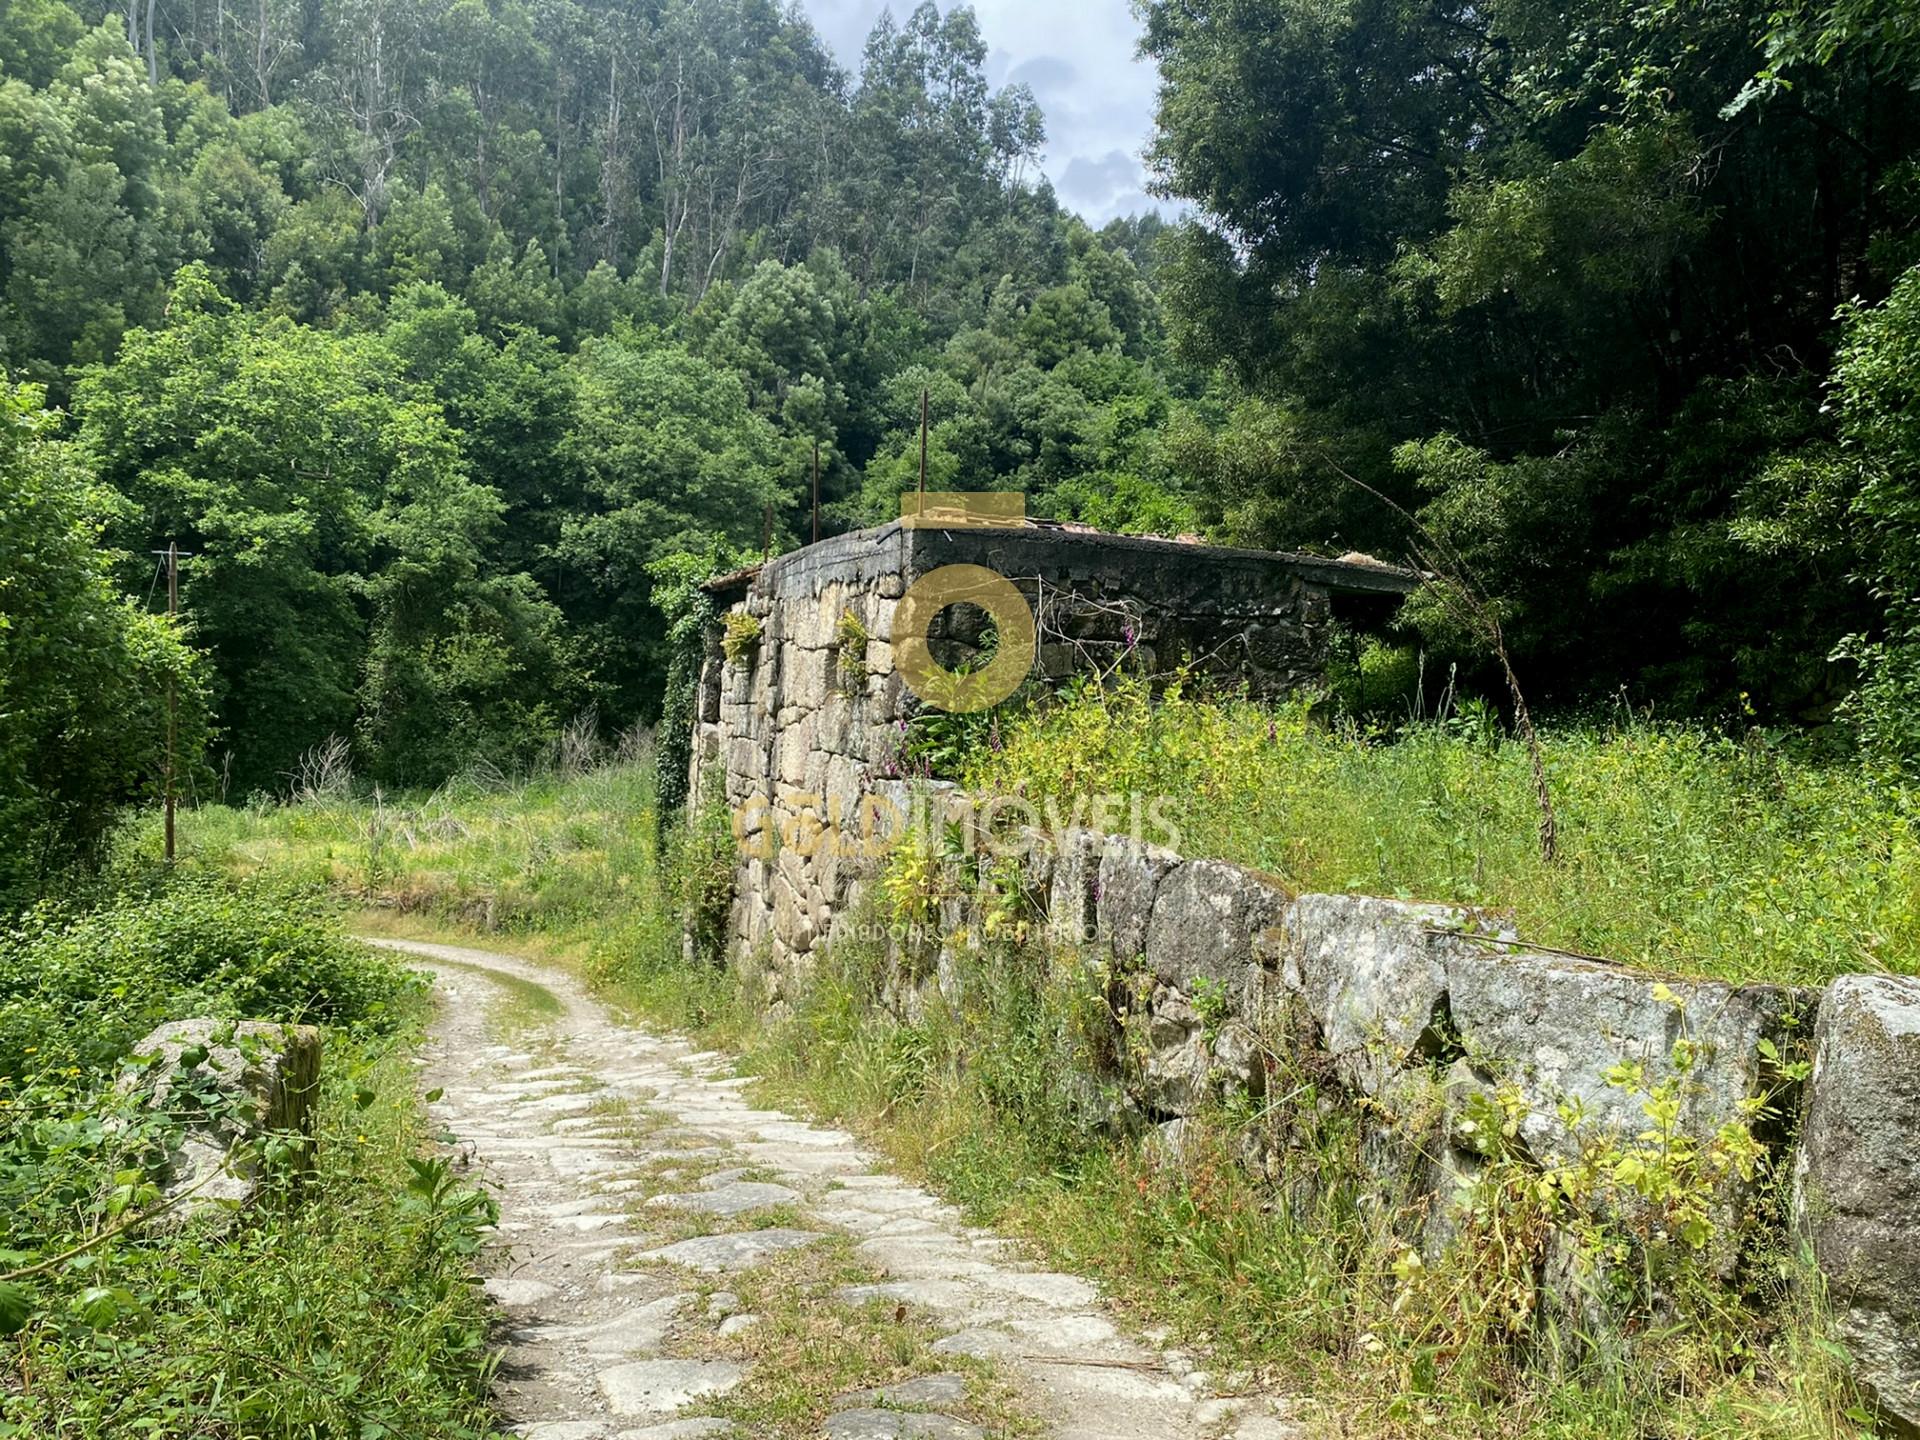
x: 688, y: 610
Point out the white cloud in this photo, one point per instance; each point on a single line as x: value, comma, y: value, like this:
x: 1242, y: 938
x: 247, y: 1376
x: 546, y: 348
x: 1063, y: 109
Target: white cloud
x: 1079, y: 58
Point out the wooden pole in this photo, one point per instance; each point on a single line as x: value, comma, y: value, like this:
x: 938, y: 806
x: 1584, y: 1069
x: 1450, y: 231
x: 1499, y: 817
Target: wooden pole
x: 816, y: 492
x: 173, y: 696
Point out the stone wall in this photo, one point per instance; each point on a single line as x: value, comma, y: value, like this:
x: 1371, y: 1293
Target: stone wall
x: 1423, y: 1012
x: 1426, y: 1015
x: 793, y: 732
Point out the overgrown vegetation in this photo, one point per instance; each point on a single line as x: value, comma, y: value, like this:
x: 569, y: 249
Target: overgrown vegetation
x: 340, y: 1301
x: 78, y: 989
x: 83, y: 670
x: 1680, y: 849
x: 1277, y: 1236
x: 1275, y: 1227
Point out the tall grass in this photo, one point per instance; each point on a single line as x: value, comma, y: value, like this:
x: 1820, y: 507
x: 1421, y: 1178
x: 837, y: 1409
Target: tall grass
x: 1275, y: 1235
x: 571, y: 860
x: 1680, y: 849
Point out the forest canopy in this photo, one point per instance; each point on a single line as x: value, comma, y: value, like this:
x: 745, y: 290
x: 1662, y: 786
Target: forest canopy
x: 431, y: 330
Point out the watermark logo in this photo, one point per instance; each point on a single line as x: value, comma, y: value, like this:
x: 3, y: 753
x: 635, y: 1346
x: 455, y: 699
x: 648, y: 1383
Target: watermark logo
x: 997, y: 826
x: 809, y: 824
x: 963, y: 692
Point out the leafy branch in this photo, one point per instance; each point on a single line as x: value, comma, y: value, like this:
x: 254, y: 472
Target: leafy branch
x: 1453, y: 584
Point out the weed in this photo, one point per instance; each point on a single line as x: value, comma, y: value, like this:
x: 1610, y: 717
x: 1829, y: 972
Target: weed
x: 740, y: 635
x: 1678, y: 849
x: 850, y: 648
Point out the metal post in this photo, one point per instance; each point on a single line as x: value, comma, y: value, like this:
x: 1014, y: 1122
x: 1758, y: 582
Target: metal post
x: 816, y: 492
x: 923, y: 452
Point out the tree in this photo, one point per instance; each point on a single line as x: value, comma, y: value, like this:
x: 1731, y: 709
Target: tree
x: 674, y: 459
x: 83, y: 670
x: 334, y: 523
x: 1573, y: 270
x: 1871, y: 482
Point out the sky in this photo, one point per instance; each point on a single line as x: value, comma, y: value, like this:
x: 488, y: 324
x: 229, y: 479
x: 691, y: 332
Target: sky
x: 1078, y: 58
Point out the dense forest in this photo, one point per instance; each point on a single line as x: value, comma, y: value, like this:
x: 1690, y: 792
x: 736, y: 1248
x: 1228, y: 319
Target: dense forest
x: 432, y: 330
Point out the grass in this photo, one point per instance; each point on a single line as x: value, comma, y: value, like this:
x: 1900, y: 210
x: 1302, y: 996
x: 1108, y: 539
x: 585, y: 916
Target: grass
x: 518, y: 1005
x: 1274, y: 1241
x: 352, y: 1312
x: 809, y: 1347
x: 1681, y: 850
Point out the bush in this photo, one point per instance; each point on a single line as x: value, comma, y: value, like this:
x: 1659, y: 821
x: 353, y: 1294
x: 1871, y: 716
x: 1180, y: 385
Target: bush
x: 80, y: 990
x: 354, y: 1312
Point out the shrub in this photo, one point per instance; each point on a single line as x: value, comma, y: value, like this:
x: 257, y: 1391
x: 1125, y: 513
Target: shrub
x: 79, y: 990
x: 83, y: 671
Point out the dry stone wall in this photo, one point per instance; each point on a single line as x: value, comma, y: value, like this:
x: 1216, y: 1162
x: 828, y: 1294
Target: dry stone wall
x: 799, y: 737
x: 793, y: 729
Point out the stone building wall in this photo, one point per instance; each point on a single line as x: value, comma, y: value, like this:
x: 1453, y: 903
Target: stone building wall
x: 800, y: 739
x: 791, y: 734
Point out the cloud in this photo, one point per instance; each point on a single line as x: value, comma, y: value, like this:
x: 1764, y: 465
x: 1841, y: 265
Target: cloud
x: 1092, y: 184
x: 1081, y: 61
x: 1045, y: 75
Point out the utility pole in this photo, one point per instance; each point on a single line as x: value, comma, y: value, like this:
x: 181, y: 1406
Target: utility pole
x: 816, y: 492
x: 174, y: 556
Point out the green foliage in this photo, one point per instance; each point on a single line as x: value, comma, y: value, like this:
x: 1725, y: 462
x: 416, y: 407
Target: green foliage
x: 429, y: 380
x: 83, y: 672
x: 1680, y: 849
x: 339, y: 576
x: 350, y: 1312
x: 433, y: 376
x: 1877, y: 392
x: 80, y: 989
x: 674, y: 460
x: 688, y: 610
x: 1523, y: 297
x: 739, y: 635
x: 699, y: 861
x: 850, y: 640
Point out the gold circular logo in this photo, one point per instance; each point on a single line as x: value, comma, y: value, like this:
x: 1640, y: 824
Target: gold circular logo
x: 952, y: 689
